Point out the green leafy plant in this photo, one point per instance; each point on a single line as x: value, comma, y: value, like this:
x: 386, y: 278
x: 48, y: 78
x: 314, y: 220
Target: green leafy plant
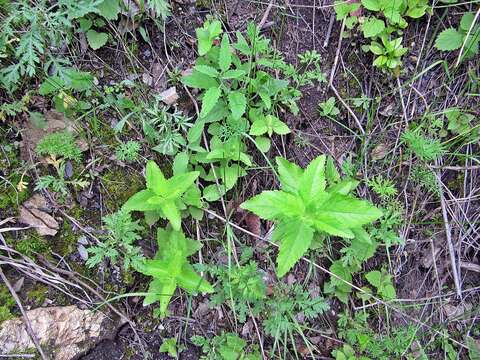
x: 242, y: 288
x: 306, y: 208
x: 59, y: 145
x: 382, y: 282
x: 170, y: 269
x: 165, y: 197
x: 365, y: 343
x: 462, y: 123
x: 389, y: 52
x: 425, y: 148
x: 163, y: 128
x: 128, y: 151
x: 122, y: 232
x: 240, y: 99
x: 379, y: 21
x: 328, y: 108
x: 64, y: 88
x: 169, y: 346
x: 384, y: 188
x: 467, y: 35
x: 227, y: 346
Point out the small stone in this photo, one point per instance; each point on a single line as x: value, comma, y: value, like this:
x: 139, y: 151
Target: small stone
x: 68, y: 170
x: 169, y: 96
x: 82, y: 240
x: 82, y: 252
x: 65, y: 332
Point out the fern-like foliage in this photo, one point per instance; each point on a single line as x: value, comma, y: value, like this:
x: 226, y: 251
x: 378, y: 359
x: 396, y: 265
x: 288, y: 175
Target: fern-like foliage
x: 60, y: 144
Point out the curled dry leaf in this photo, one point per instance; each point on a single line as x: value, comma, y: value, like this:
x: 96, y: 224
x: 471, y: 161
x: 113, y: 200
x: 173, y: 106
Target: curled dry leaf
x: 379, y: 151
x: 33, y: 212
x: 169, y: 96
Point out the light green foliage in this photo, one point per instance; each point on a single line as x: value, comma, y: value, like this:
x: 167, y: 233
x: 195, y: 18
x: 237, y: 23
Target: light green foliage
x: 453, y: 39
x: 380, y: 21
x: 165, y: 198
x: 227, y: 346
x: 169, y: 346
x: 306, y: 206
x: 207, y: 34
x: 32, y: 32
x: 462, y: 123
x: 7, y: 303
x: 161, y: 8
x: 163, y: 128
x: 170, y: 269
x: 240, y: 97
x: 426, y: 178
x: 66, y: 88
x: 240, y: 287
x: 366, y: 343
x: 473, y: 349
x: 128, y: 151
x: 384, y: 188
x: 96, y: 39
x: 328, y: 108
x: 389, y: 52
x: 285, y: 305
x: 122, y: 232
x: 425, y: 148
x: 382, y: 282
x: 59, y: 145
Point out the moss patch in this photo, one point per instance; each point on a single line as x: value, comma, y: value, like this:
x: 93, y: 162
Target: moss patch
x: 7, y: 303
x: 120, y: 186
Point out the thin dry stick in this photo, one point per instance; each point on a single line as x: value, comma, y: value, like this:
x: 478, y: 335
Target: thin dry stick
x: 332, y: 74
x: 265, y: 15
x: 28, y: 325
x: 467, y: 37
x: 448, y: 233
x: 378, y: 300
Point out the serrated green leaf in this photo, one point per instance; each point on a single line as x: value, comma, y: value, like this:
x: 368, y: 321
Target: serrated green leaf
x: 289, y: 174
x: 207, y: 70
x: 331, y: 173
x: 96, y: 39
x: 209, y: 100
x: 180, y: 163
x: 259, y: 127
x: 178, y: 184
x: 466, y: 21
x: 233, y: 74
x: 242, y: 45
x: 154, y: 178
x: 372, y: 27
x: 348, y: 210
x: 139, y: 202
x: 190, y: 281
x: 273, y: 205
x: 448, y: 40
x: 372, y: 5
x: 224, y: 55
x: 198, y: 80
x: 263, y: 143
x: 109, y: 9
x: 312, y: 182
x: 51, y: 85
x: 295, y: 238
x: 374, y: 278
x: 172, y: 213
x: 277, y: 126
x: 237, y: 104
